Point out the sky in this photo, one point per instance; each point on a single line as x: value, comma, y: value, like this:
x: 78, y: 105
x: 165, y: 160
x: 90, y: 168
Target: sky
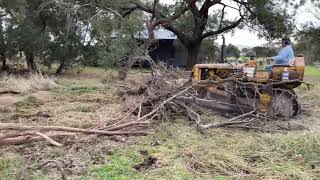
x: 243, y: 37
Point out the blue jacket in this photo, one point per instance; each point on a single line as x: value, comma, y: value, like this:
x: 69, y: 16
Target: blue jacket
x: 285, y: 55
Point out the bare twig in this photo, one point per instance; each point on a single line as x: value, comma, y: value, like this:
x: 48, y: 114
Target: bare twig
x: 139, y: 114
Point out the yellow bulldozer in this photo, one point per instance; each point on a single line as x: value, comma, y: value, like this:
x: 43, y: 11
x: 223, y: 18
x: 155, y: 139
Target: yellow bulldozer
x: 234, y: 87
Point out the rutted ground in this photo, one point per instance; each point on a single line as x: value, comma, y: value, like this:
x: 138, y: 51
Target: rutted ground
x: 179, y: 150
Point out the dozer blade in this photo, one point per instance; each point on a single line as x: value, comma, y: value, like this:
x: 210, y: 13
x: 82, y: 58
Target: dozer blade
x: 215, y: 104
x: 283, y: 103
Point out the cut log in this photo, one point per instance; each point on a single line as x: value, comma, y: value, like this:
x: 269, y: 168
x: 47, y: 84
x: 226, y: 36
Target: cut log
x: 10, y: 126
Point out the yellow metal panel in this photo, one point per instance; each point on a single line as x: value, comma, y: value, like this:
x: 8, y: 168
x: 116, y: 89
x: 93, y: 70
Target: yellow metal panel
x: 277, y: 72
x: 265, y: 101
x: 197, y: 73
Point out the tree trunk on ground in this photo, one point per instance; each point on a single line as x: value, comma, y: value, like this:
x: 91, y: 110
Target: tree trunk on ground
x: 192, y: 58
x: 61, y: 67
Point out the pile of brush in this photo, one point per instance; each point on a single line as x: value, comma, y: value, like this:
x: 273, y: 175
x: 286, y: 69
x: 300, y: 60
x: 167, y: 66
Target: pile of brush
x: 169, y: 93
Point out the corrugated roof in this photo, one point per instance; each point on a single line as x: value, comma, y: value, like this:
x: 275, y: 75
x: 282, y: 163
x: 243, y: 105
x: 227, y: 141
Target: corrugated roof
x: 159, y: 34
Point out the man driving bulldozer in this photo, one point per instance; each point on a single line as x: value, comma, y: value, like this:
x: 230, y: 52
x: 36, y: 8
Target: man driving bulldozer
x: 285, y: 56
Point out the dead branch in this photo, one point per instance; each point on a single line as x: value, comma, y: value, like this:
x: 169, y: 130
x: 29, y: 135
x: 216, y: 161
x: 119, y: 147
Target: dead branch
x: 50, y: 140
x: 29, y: 139
x: 229, y: 122
x: 193, y: 115
x: 10, y: 126
x: 139, y: 114
x: 129, y: 124
x: 29, y: 134
x: 163, y: 103
x: 13, y: 135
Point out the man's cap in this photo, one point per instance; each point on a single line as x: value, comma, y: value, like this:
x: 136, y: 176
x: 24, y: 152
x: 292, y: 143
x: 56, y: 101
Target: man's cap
x: 286, y: 40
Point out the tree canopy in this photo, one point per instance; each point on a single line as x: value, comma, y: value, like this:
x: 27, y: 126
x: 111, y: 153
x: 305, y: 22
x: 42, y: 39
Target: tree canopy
x: 195, y: 20
x: 232, y: 51
x: 73, y: 32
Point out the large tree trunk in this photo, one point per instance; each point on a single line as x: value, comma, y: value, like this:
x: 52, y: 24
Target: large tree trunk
x: 192, y: 55
x: 61, y: 67
x: 223, y: 50
x: 32, y: 67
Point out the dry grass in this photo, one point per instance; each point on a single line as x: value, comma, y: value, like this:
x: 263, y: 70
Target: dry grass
x: 33, y: 82
x: 65, y: 101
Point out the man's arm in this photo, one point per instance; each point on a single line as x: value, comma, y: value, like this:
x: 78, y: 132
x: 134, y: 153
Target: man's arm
x: 281, y: 57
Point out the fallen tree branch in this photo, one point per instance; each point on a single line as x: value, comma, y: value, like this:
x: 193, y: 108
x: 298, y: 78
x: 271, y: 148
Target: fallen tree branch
x: 118, y: 127
x: 13, y: 135
x: 193, y: 115
x: 29, y: 139
x: 50, y: 140
x: 10, y: 126
x: 229, y: 122
x: 164, y: 102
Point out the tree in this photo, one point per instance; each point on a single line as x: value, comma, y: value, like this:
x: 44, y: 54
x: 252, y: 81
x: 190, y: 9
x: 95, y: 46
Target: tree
x: 245, y: 50
x: 8, y: 30
x: 265, y: 51
x: 309, y: 44
x: 24, y: 26
x: 309, y: 39
x: 232, y: 51
x: 191, y: 21
x: 87, y: 31
x: 2, y: 45
x: 209, y: 51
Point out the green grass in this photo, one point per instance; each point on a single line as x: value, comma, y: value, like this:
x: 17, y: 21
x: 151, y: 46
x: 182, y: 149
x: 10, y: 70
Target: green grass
x: 312, y: 71
x: 184, y: 153
x: 120, y: 167
x: 79, y: 87
x: 6, y: 168
x: 83, y: 89
x: 9, y: 166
